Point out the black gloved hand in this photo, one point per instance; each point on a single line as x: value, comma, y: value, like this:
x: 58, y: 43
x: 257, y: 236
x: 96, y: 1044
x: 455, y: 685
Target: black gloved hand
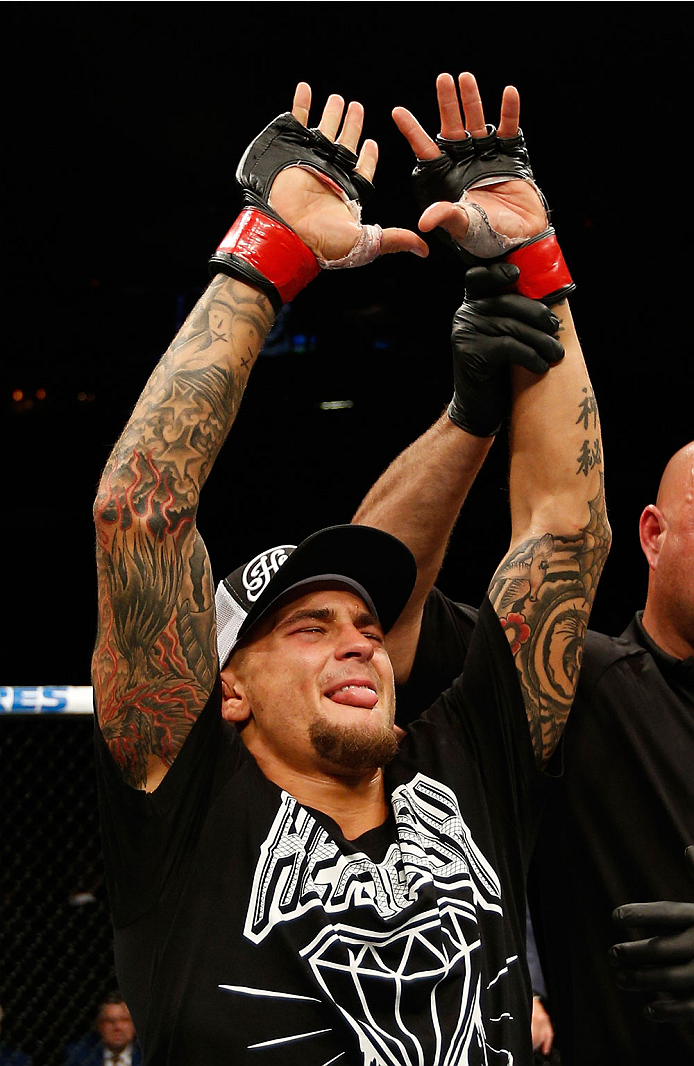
x: 261, y: 248
x: 664, y: 962
x: 492, y: 331
x: 470, y: 163
x: 464, y: 164
x: 286, y: 143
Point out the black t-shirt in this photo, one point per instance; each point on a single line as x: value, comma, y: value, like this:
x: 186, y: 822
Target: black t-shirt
x: 447, y: 629
x: 620, y: 817
x: 249, y: 930
x: 615, y: 833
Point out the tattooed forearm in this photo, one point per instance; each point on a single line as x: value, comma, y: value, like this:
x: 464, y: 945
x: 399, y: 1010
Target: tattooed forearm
x: 543, y: 593
x: 588, y: 408
x: 187, y: 407
x: 150, y: 723
x: 590, y: 455
x: 224, y: 313
x: 174, y: 436
x: 155, y: 659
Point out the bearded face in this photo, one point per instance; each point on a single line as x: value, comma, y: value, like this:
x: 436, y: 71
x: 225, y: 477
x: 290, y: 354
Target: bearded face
x: 314, y: 687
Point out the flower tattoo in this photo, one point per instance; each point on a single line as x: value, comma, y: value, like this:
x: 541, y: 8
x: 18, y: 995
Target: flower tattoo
x: 516, y: 629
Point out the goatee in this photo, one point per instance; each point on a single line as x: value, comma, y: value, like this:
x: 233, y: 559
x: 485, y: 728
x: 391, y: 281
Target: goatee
x: 353, y: 747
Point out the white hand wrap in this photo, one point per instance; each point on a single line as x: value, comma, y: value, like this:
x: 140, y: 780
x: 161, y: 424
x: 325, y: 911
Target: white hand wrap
x: 368, y: 244
x: 367, y: 248
x: 481, y: 239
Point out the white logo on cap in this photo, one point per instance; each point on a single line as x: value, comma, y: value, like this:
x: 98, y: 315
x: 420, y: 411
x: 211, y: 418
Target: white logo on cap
x: 260, y: 571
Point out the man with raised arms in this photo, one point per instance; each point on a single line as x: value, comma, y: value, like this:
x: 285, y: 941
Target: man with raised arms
x: 287, y: 882
x: 613, y: 838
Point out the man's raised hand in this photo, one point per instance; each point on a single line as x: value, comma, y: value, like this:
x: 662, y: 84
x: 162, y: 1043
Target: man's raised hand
x: 316, y: 208
x: 471, y: 171
x: 302, y: 193
x: 303, y: 190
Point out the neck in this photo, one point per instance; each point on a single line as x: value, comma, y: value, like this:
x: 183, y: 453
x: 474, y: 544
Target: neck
x: 663, y: 633
x: 356, y: 802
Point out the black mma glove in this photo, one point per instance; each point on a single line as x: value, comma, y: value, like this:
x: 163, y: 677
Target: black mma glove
x: 260, y: 248
x: 492, y: 331
x: 664, y: 962
x: 476, y: 161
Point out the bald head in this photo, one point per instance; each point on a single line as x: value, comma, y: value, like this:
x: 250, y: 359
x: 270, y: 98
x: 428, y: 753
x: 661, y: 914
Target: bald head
x: 666, y: 530
x: 676, y: 489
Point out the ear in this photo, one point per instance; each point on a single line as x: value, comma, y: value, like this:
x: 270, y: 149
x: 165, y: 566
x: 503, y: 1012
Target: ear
x: 235, y: 704
x: 652, y: 532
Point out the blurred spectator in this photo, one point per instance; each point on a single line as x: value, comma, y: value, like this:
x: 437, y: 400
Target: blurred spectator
x: 112, y: 1042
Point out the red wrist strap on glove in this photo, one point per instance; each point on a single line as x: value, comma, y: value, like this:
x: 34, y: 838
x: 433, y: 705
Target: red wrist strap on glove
x: 544, y: 274
x: 264, y: 252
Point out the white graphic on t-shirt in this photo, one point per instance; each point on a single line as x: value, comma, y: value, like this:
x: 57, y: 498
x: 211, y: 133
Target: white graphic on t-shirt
x: 406, y: 979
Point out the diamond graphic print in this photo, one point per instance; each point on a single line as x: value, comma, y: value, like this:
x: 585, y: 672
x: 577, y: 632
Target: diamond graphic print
x: 407, y: 978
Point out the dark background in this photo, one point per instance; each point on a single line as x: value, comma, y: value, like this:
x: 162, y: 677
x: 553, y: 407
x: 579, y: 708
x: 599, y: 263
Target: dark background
x: 123, y: 125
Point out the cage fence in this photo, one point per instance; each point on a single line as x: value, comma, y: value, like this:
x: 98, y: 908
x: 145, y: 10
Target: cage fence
x: 56, y: 951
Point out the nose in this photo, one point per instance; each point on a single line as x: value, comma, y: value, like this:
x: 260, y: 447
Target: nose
x: 353, y: 644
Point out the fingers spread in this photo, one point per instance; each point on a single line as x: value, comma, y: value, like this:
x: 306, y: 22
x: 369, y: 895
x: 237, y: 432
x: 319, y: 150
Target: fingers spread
x: 368, y: 158
x: 301, y: 104
x: 472, y: 105
x: 332, y: 116
x: 510, y: 112
x: 352, y: 126
x: 418, y: 139
x: 452, y: 126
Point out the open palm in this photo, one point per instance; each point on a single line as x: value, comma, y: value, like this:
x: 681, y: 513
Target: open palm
x: 313, y: 206
x: 513, y: 207
x: 315, y: 211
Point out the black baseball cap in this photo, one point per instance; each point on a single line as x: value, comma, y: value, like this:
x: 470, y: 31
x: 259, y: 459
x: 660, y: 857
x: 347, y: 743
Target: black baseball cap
x: 376, y: 565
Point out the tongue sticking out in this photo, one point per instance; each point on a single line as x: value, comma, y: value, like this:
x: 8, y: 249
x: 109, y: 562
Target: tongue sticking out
x: 355, y: 696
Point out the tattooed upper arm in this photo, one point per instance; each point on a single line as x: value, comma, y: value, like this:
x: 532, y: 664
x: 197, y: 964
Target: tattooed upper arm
x: 155, y: 661
x: 543, y: 592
